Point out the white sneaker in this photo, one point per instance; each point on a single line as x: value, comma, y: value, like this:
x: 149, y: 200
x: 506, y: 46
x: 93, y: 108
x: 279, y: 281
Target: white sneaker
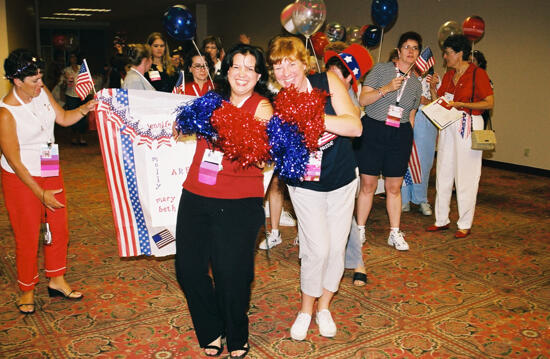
x: 327, y: 328
x: 362, y: 236
x: 299, y: 329
x: 397, y: 240
x: 271, y: 241
x: 286, y: 219
x: 425, y: 209
x: 406, y: 207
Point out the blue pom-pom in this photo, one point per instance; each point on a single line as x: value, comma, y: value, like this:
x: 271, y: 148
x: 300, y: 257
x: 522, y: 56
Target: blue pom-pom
x: 288, y: 149
x: 194, y: 118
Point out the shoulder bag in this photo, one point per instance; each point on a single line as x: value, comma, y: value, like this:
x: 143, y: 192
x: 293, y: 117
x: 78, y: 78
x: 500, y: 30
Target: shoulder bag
x: 482, y: 140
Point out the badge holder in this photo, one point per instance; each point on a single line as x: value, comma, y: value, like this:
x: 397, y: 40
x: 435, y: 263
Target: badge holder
x: 210, y: 166
x: 49, y: 160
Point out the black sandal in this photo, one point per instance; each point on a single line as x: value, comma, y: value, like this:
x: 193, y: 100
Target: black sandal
x: 359, y: 277
x: 25, y: 312
x: 219, y: 349
x: 246, y: 348
x: 59, y: 293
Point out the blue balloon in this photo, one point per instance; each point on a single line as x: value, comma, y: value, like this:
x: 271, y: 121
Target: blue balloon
x: 372, y: 36
x: 384, y: 12
x: 179, y: 23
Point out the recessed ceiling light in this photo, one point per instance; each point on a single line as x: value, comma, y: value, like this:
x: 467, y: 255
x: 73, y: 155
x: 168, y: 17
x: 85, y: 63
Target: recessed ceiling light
x: 89, y: 10
x: 57, y: 18
x: 71, y: 14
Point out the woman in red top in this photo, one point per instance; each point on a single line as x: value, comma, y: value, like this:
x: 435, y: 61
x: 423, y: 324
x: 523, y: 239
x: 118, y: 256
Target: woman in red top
x: 219, y: 217
x: 198, y: 66
x: 468, y: 89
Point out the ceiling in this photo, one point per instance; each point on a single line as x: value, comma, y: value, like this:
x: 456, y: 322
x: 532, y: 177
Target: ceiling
x: 121, y: 10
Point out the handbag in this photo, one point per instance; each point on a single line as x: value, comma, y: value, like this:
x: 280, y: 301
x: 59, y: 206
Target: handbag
x: 482, y: 140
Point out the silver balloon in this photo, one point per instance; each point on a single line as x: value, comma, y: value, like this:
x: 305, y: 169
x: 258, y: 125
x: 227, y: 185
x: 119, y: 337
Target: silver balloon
x: 447, y: 29
x: 354, y: 35
x: 335, y: 32
x: 308, y: 16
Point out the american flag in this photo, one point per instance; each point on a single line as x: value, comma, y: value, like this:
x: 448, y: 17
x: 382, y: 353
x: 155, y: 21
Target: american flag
x: 414, y: 172
x: 179, y: 87
x: 163, y: 238
x: 84, y: 82
x: 425, y: 60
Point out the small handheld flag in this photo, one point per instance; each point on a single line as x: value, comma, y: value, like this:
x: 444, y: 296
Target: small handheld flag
x: 425, y: 61
x: 179, y: 87
x: 84, y: 82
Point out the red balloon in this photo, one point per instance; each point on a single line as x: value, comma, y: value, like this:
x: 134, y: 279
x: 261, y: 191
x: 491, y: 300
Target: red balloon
x: 59, y: 41
x: 320, y: 41
x: 473, y: 28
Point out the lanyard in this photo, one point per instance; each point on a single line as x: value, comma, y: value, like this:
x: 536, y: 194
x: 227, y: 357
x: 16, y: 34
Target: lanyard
x: 400, y: 93
x: 195, y: 87
x: 43, y: 122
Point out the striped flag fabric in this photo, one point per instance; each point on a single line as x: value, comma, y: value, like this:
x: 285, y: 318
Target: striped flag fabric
x: 179, y: 87
x: 414, y: 170
x: 425, y: 60
x: 84, y: 83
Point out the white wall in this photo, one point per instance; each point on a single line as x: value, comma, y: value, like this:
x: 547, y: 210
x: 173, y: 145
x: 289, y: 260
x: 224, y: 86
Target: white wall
x: 516, y: 45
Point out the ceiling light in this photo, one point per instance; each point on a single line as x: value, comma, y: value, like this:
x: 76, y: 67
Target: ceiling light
x: 71, y: 14
x: 57, y: 18
x: 89, y: 10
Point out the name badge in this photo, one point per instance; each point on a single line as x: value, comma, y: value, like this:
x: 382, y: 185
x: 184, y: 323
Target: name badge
x: 313, y: 167
x: 210, y: 166
x: 49, y: 160
x: 154, y: 75
x: 394, y: 116
x: 449, y: 96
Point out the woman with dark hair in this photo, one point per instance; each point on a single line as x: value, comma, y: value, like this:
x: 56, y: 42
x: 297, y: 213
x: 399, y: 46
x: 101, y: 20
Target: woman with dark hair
x: 478, y: 59
x: 31, y: 178
x: 391, y: 96
x: 198, y: 67
x: 219, y: 218
x: 213, y: 47
x: 323, y: 204
x: 140, y: 59
x: 162, y: 74
x: 469, y: 90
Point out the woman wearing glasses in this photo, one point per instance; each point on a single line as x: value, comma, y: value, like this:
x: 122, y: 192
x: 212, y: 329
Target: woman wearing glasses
x: 31, y: 178
x: 199, y: 66
x: 391, y: 96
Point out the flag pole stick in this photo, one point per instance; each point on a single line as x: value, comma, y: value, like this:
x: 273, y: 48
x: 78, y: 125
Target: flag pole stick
x: 91, y: 79
x: 199, y: 53
x: 380, y: 48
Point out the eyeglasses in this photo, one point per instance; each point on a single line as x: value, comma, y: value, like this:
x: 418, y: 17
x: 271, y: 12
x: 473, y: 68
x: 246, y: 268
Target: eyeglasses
x: 199, y: 67
x: 409, y: 47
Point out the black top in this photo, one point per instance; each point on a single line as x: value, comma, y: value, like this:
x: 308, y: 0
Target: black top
x: 166, y: 83
x: 338, y: 163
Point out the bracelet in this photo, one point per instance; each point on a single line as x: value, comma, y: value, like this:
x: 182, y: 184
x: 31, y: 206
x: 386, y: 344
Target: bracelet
x: 381, y: 93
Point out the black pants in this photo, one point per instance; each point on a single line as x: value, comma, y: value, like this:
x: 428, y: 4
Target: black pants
x: 71, y: 103
x: 221, y: 233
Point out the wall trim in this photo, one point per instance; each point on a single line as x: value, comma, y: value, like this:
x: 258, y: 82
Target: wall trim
x: 517, y: 168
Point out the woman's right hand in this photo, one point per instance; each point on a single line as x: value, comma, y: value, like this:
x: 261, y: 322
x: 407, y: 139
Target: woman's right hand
x: 434, y: 80
x: 49, y: 200
x: 394, y: 84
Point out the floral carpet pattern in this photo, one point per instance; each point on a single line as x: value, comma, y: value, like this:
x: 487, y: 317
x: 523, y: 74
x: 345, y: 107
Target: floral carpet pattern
x: 485, y: 296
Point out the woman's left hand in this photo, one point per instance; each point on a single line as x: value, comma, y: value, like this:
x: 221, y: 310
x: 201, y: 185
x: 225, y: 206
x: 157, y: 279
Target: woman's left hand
x: 456, y: 105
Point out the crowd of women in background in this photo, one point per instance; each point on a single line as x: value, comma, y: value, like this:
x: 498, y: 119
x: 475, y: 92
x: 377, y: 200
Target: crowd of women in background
x: 218, y: 222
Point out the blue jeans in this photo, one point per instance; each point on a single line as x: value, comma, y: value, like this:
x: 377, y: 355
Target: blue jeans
x: 425, y: 134
x: 354, y: 253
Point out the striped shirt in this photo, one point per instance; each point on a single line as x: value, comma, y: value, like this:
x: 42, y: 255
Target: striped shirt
x: 381, y: 75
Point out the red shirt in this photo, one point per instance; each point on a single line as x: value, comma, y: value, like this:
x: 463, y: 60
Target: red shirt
x: 463, y: 89
x: 193, y: 88
x: 233, y: 181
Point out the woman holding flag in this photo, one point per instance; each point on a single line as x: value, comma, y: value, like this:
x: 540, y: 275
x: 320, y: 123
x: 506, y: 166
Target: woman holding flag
x: 391, y: 96
x: 31, y: 178
x: 468, y: 89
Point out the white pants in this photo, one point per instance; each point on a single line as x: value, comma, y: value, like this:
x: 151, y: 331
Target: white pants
x: 457, y: 163
x: 324, y: 221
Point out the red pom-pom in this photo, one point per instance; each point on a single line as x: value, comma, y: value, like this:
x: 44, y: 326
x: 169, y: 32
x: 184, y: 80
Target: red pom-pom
x: 306, y: 110
x: 241, y: 137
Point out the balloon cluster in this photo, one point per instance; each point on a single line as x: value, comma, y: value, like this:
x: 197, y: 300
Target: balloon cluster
x: 473, y: 27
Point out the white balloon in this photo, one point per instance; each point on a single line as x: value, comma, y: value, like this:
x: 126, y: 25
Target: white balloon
x: 308, y: 16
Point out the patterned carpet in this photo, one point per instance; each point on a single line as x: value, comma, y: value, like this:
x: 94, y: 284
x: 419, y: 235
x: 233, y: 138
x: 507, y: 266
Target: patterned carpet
x: 487, y: 296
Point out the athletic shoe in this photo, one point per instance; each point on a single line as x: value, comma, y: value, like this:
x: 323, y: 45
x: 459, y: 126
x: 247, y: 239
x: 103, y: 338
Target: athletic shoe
x: 271, y: 241
x: 327, y: 328
x: 397, y: 240
x: 406, y: 207
x: 286, y: 219
x: 299, y: 329
x: 425, y: 209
